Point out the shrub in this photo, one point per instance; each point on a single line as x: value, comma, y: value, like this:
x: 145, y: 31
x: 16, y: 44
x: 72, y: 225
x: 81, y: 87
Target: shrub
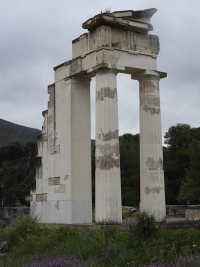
x: 145, y: 225
x: 127, y: 213
x: 26, y: 227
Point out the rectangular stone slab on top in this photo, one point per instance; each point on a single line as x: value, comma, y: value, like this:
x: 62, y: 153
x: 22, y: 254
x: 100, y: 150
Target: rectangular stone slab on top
x: 129, y: 19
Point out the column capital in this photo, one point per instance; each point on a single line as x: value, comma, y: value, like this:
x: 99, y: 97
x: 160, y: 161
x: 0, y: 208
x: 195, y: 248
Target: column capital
x: 105, y: 66
x: 107, y: 70
x: 74, y: 79
x: 145, y: 74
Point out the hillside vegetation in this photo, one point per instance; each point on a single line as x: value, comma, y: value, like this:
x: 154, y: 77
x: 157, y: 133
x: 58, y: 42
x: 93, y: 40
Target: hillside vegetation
x: 13, y: 132
x: 181, y: 168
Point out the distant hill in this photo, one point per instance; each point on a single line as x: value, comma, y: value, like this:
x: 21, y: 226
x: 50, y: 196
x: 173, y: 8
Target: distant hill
x: 14, y: 132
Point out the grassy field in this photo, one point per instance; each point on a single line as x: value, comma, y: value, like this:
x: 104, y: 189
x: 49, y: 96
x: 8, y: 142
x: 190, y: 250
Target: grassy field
x: 144, y: 245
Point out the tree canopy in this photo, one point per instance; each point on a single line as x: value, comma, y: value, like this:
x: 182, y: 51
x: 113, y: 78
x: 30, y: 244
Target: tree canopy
x: 181, y: 168
x: 181, y: 164
x: 190, y: 187
x: 17, y: 172
x: 130, y: 169
x: 178, y: 137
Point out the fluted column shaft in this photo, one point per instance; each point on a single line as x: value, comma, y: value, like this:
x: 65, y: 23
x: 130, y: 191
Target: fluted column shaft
x: 152, y: 189
x: 108, y: 180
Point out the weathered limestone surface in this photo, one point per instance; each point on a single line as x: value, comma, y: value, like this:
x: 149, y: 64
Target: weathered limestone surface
x: 117, y: 42
x: 108, y: 180
x: 63, y: 190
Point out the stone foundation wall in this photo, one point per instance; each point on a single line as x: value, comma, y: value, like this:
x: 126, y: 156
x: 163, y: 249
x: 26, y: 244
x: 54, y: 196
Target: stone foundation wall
x: 176, y: 210
x: 193, y: 213
x: 13, y: 214
x: 190, y: 212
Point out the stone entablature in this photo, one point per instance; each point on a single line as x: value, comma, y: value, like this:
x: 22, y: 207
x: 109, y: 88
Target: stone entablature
x: 125, y: 30
x: 118, y: 39
x: 127, y: 33
x: 122, y: 61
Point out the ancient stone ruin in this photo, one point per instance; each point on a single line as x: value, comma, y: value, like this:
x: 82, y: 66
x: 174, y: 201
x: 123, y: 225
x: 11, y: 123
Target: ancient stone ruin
x: 117, y: 42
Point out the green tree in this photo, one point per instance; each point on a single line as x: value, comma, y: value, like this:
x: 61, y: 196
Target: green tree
x: 17, y: 172
x: 190, y: 186
x: 130, y: 169
x: 178, y: 137
x: 177, y: 158
x: 175, y: 166
x: 129, y: 162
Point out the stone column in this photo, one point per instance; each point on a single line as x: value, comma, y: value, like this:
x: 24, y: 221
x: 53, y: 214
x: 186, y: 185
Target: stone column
x: 152, y: 188
x: 108, y: 180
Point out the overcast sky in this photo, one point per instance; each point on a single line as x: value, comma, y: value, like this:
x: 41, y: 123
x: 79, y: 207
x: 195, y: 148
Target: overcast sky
x: 36, y: 35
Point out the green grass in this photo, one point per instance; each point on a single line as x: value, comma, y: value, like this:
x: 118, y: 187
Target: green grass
x: 110, y: 246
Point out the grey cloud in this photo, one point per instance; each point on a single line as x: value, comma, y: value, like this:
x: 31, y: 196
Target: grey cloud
x: 36, y: 36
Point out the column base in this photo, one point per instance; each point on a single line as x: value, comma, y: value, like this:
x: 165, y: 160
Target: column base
x: 159, y: 214
x: 62, y: 212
